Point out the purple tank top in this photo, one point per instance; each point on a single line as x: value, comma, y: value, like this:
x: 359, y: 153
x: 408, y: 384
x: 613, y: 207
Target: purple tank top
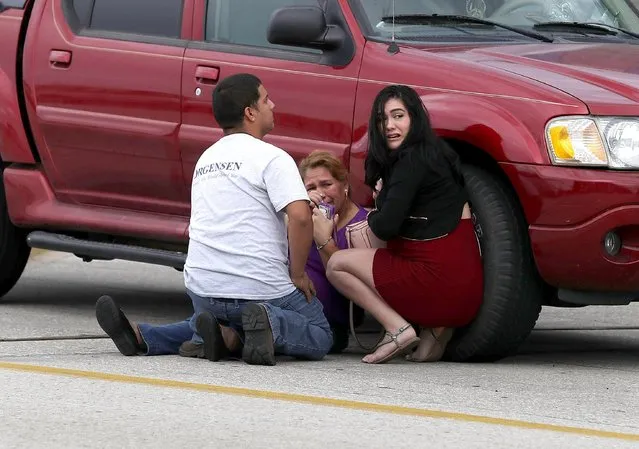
x: 335, y: 304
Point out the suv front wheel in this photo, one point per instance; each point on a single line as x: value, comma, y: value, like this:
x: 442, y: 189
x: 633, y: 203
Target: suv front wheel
x: 512, y: 287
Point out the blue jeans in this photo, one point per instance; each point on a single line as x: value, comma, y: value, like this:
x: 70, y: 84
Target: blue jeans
x: 168, y: 338
x: 299, y: 327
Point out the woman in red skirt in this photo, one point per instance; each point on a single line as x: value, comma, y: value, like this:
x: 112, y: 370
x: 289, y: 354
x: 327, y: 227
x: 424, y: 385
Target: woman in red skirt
x: 430, y: 273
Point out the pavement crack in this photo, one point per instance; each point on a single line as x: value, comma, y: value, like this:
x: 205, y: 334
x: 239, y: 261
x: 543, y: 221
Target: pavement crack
x: 53, y: 338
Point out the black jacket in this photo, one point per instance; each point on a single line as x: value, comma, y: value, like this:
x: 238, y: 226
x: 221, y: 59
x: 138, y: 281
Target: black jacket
x: 417, y: 202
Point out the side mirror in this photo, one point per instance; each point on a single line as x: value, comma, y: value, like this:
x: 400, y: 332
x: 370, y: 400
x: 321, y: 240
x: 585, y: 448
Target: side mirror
x: 303, y: 26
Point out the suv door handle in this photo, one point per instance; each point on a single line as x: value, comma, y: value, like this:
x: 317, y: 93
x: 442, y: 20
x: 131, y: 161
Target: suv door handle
x: 60, y: 59
x: 207, y: 75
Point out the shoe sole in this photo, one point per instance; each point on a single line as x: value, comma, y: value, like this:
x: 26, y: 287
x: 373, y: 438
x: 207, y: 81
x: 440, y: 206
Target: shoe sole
x: 208, y: 328
x: 258, y: 344
x: 196, y: 352
x: 112, y: 322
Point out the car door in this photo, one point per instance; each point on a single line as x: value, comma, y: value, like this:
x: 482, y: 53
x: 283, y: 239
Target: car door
x: 313, y: 99
x: 105, y: 82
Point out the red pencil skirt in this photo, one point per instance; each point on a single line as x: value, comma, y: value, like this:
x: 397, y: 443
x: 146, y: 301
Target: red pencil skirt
x: 432, y: 283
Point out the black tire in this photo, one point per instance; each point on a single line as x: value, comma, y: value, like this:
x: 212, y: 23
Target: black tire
x: 512, y: 286
x: 14, y: 251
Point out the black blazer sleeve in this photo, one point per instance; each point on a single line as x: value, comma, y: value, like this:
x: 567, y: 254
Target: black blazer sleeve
x: 403, y: 185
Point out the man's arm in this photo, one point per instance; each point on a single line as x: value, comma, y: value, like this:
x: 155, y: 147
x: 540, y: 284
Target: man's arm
x: 287, y: 193
x: 300, y: 236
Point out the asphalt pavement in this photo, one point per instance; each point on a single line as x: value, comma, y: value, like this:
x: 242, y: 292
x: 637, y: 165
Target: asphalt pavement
x: 63, y: 384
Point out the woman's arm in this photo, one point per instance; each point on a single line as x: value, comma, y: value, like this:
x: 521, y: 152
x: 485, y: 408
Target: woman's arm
x: 405, y: 180
x: 323, y: 231
x: 327, y: 251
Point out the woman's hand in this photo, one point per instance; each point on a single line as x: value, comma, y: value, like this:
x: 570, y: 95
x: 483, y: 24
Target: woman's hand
x: 378, y: 188
x: 315, y: 197
x: 322, y: 226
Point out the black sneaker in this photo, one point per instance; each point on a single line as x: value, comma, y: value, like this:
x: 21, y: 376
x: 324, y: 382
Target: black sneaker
x: 340, y: 340
x: 209, y: 329
x: 116, y: 325
x: 190, y: 349
x: 258, y: 336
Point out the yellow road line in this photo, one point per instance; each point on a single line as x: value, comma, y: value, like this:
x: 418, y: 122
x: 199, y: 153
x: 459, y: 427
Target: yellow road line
x: 318, y: 400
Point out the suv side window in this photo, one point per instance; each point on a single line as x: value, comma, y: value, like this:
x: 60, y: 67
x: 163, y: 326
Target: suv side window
x: 244, y: 22
x: 13, y: 4
x: 82, y: 9
x: 146, y: 17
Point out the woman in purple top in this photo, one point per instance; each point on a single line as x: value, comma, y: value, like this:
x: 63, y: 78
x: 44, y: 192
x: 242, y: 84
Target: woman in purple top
x: 326, y: 181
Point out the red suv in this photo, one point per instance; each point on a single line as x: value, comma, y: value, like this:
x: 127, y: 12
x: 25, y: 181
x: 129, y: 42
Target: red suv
x: 106, y: 106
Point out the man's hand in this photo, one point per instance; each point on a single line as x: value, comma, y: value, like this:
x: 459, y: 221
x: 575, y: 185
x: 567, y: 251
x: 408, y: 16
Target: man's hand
x: 306, y: 285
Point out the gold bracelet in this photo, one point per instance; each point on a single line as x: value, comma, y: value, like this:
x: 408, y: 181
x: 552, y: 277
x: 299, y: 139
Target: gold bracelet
x: 325, y: 243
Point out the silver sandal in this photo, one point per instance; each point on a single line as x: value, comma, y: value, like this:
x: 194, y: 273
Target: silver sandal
x: 401, y: 348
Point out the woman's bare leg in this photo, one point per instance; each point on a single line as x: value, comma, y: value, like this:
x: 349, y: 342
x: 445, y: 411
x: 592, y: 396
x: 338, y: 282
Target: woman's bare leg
x: 351, y: 272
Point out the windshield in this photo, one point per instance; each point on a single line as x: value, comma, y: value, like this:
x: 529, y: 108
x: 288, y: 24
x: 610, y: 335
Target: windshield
x: 523, y: 14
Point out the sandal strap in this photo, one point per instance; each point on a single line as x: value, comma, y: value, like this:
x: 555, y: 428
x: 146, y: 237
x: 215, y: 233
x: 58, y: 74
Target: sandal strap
x: 402, y: 329
x: 393, y: 337
x: 438, y: 337
x: 435, y: 336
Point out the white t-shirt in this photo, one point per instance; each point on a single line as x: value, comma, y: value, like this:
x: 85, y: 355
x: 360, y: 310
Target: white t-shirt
x: 238, y: 246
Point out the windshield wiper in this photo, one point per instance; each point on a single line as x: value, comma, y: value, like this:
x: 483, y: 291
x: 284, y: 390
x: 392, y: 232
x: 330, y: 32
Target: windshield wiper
x: 436, y: 19
x: 584, y: 28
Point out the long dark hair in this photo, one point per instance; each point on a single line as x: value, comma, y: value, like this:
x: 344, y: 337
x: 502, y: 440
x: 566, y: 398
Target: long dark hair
x: 421, y: 143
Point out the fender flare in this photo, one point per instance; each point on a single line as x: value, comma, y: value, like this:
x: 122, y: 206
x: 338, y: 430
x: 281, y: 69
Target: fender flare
x: 14, y: 146
x: 483, y: 123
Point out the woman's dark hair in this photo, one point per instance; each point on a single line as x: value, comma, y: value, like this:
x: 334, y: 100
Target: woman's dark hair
x: 421, y: 142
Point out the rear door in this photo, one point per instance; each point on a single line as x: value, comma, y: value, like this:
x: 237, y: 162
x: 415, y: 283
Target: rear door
x: 313, y: 99
x: 104, y: 78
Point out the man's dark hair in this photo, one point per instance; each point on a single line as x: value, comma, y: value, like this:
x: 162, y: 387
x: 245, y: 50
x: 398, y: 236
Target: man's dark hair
x: 231, y: 96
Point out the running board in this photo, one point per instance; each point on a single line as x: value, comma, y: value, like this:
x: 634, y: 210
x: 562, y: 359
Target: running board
x: 89, y: 250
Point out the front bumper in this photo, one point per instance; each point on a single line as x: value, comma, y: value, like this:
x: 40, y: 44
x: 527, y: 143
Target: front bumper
x: 570, y: 211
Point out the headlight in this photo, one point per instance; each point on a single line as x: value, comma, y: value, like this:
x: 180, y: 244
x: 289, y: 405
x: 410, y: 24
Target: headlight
x: 576, y: 141
x: 622, y: 139
x: 599, y: 141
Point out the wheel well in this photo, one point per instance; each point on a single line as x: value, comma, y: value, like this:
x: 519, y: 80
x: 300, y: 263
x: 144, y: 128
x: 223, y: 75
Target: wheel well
x: 472, y: 155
